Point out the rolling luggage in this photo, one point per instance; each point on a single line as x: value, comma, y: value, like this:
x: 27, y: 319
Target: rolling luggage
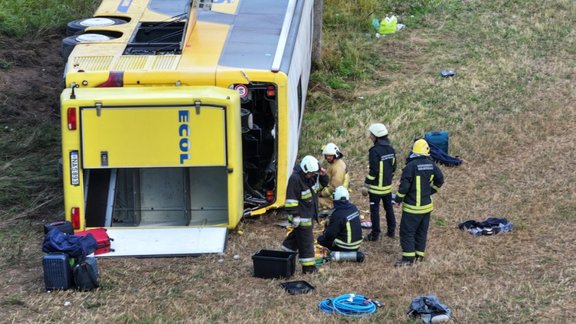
x: 101, y: 237
x: 57, y: 271
x: 64, y: 226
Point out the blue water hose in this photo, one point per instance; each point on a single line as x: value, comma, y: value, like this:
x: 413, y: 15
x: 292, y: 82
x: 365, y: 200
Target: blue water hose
x: 348, y: 305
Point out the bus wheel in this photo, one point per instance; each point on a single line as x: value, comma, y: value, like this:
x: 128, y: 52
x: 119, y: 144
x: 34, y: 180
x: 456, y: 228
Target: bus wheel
x: 69, y: 42
x: 79, y: 25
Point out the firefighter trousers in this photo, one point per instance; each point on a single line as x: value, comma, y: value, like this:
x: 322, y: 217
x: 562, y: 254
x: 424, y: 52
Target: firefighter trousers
x: 375, y: 213
x: 413, y: 234
x: 301, y: 239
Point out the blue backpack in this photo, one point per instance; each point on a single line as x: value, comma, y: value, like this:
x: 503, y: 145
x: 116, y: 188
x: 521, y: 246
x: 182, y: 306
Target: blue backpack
x: 75, y: 246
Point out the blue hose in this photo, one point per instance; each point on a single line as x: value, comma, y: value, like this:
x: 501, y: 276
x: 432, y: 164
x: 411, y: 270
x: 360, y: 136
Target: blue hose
x: 348, y: 305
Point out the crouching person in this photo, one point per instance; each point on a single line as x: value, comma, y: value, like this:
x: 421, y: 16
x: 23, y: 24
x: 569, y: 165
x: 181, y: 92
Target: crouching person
x: 344, y: 232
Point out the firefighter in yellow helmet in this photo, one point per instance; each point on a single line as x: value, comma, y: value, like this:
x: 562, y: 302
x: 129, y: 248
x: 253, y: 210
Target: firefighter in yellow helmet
x: 336, y: 172
x: 421, y: 178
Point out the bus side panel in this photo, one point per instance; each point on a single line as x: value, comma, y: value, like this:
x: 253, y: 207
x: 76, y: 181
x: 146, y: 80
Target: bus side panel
x: 73, y: 190
x: 235, y: 172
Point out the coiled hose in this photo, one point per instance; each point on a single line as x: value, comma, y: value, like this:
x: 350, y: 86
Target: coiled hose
x: 349, y: 305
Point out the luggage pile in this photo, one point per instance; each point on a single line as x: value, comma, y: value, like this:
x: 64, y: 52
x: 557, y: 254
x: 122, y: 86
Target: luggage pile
x: 70, y: 261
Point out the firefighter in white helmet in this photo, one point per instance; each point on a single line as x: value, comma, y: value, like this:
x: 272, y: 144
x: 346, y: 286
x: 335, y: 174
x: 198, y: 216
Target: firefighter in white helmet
x: 378, y: 182
x: 302, y: 208
x: 337, y: 173
x: 344, y: 232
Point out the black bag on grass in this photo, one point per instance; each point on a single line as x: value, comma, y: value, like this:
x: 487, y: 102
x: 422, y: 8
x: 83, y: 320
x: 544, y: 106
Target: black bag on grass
x: 86, y: 274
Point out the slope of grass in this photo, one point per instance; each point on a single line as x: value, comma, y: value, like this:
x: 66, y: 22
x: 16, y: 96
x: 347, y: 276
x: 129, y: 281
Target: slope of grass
x: 510, y: 112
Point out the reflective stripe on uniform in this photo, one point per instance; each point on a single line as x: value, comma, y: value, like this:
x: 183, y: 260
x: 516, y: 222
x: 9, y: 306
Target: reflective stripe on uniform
x: 291, y: 203
x: 409, y: 254
x: 306, y: 194
x: 308, y: 261
x: 418, y: 191
x: 401, y: 195
x: 417, y: 209
x: 369, y: 177
x: 381, y: 174
x: 348, y: 232
x: 420, y: 253
x: 377, y: 190
x: 349, y: 246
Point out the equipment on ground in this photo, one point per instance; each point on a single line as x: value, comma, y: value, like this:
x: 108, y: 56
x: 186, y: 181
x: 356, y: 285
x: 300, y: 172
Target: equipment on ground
x: 354, y: 256
x: 349, y: 305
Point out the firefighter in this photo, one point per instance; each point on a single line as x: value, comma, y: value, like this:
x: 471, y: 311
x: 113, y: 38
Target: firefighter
x: 378, y: 182
x: 302, y: 208
x: 343, y: 232
x: 337, y: 174
x: 421, y: 178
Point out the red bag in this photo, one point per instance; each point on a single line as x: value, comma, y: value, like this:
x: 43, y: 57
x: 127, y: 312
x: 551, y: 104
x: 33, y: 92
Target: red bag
x: 101, y: 237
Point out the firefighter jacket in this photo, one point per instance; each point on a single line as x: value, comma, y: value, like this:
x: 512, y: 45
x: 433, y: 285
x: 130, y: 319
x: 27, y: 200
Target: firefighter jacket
x: 382, y: 159
x: 302, y: 196
x: 338, y: 176
x: 420, y: 179
x: 344, y: 229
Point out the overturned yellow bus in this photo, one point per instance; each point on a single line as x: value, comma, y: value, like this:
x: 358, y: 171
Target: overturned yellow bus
x: 181, y: 117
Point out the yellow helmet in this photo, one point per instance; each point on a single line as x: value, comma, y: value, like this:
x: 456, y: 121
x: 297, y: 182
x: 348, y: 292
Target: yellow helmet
x: 421, y: 147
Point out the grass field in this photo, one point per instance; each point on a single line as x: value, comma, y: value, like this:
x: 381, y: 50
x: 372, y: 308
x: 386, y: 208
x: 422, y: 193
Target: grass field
x: 510, y: 111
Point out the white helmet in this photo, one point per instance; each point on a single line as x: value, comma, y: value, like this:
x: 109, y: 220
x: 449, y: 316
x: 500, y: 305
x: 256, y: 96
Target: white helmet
x: 309, y: 164
x: 378, y: 130
x: 341, y: 193
x: 330, y: 149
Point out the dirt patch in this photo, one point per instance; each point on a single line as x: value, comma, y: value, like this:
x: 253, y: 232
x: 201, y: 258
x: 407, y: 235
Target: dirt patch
x: 31, y: 81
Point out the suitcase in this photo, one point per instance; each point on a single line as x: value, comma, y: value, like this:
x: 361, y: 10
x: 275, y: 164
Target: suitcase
x: 439, y: 139
x: 64, y: 226
x: 101, y: 237
x: 57, y: 271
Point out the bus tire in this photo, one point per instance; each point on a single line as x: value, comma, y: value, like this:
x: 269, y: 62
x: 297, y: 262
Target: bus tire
x: 69, y: 42
x: 79, y: 25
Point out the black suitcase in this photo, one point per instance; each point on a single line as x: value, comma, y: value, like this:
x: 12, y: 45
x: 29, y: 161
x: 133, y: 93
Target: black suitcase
x: 64, y: 226
x: 57, y: 271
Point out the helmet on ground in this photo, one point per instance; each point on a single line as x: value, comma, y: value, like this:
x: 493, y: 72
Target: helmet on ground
x: 309, y: 164
x: 378, y: 130
x: 421, y: 147
x: 341, y: 193
x: 331, y: 149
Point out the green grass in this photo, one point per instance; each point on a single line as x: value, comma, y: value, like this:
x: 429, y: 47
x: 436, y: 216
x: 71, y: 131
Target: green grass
x: 31, y: 18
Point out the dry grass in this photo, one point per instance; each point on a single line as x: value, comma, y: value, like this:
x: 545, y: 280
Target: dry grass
x: 510, y: 112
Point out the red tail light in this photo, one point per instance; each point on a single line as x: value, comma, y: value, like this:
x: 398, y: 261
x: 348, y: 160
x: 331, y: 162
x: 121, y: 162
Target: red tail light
x: 269, y: 196
x: 75, y: 217
x: 271, y: 91
x: 115, y: 79
x: 72, y: 118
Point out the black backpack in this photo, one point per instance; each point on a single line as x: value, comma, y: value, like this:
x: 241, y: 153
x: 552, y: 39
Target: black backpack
x: 86, y: 274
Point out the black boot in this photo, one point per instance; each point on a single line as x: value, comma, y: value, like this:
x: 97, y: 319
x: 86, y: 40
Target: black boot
x: 419, y: 258
x: 405, y: 261
x: 309, y: 269
x: 371, y: 237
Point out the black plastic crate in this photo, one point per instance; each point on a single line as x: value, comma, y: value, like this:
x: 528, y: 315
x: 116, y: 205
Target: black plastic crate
x: 274, y: 264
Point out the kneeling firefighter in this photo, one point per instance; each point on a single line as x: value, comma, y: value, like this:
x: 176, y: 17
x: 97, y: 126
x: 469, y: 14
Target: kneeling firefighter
x: 302, y: 208
x: 344, y: 232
